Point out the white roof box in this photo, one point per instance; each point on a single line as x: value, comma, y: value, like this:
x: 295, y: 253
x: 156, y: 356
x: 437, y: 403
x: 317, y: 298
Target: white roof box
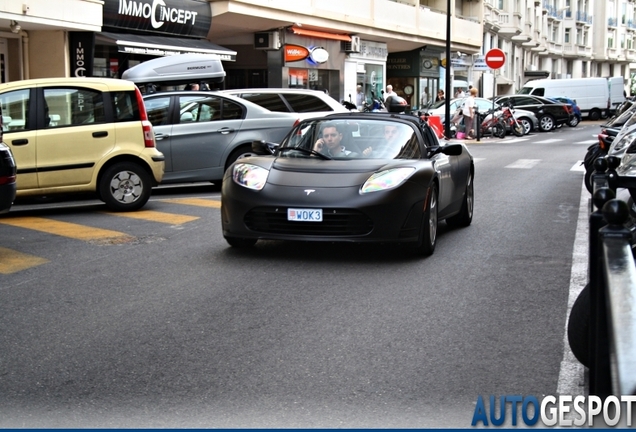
x: 177, y: 69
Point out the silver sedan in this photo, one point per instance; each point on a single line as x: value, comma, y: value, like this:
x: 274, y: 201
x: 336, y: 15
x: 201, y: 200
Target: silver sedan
x: 202, y: 133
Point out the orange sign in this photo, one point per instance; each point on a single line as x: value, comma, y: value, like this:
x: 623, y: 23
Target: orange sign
x: 295, y: 53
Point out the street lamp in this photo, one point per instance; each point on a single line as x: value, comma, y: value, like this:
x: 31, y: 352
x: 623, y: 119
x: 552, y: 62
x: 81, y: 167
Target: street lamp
x: 447, y: 126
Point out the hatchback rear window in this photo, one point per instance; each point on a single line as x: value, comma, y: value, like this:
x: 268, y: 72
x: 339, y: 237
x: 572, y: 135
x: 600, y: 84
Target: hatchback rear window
x: 125, y: 106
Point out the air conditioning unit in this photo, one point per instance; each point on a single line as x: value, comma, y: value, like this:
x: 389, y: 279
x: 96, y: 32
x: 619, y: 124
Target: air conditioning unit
x: 267, y: 40
x: 352, y: 46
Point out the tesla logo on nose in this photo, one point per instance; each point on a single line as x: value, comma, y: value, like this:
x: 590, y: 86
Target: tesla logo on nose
x: 309, y: 191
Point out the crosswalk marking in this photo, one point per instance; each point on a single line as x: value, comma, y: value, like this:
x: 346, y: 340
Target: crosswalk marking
x: 578, y: 166
x: 524, y: 163
x: 155, y: 216
x: 200, y: 202
x: 548, y: 141
x: 478, y: 159
x: 65, y: 229
x: 587, y: 142
x: 514, y: 140
x: 13, y: 261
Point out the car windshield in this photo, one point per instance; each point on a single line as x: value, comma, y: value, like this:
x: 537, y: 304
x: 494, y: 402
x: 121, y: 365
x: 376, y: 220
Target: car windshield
x: 339, y: 139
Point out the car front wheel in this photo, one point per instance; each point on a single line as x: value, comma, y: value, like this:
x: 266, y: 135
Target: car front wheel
x: 527, y: 125
x: 428, y: 233
x: 125, y: 186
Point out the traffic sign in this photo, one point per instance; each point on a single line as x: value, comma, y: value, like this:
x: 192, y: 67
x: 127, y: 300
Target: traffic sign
x: 495, y: 58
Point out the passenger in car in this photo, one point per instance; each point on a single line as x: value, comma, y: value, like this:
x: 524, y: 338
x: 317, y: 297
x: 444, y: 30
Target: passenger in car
x: 389, y: 147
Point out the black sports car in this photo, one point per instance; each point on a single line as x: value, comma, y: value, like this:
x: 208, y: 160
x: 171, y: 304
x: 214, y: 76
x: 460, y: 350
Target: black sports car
x: 350, y: 177
x: 551, y: 114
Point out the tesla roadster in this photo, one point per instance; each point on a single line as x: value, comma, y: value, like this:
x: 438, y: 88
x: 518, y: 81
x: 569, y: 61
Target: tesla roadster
x: 353, y: 177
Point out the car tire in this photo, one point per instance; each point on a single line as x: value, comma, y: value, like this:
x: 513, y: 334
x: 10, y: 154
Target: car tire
x: 527, y: 125
x: 546, y: 123
x: 574, y: 121
x: 594, y: 115
x: 428, y: 233
x: 240, y: 242
x: 125, y: 186
x: 465, y: 215
x: 579, y: 327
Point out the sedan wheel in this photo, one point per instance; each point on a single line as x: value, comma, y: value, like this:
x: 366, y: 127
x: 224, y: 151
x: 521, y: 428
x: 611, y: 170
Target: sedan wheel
x: 527, y: 125
x: 546, y: 123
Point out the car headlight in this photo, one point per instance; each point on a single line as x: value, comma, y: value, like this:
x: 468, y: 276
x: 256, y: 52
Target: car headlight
x: 249, y: 176
x: 385, y: 180
x: 618, y: 145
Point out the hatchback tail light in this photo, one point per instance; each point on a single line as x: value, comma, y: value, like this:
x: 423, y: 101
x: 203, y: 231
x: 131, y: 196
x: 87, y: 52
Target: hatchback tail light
x: 7, y: 179
x: 149, y: 134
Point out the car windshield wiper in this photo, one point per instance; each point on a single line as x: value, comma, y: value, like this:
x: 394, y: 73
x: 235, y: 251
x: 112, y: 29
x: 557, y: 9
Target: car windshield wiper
x: 304, y: 150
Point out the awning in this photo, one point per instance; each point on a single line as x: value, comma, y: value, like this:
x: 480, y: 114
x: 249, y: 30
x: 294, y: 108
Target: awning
x: 320, y: 34
x: 164, y: 45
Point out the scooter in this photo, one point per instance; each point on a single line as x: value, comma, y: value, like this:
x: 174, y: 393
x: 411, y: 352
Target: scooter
x: 376, y: 105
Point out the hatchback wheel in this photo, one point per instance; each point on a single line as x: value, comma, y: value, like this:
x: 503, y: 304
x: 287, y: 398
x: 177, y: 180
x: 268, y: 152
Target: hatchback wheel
x: 574, y: 121
x: 125, y: 186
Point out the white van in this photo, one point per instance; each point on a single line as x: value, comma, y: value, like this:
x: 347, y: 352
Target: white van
x: 590, y: 94
x: 617, y: 92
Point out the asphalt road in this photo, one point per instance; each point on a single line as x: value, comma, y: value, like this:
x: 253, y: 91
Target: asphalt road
x: 158, y: 323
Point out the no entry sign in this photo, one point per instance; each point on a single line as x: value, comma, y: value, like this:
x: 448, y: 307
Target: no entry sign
x: 495, y: 58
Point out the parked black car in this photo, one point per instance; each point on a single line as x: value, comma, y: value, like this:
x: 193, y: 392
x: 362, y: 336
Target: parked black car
x: 7, y: 174
x: 551, y: 114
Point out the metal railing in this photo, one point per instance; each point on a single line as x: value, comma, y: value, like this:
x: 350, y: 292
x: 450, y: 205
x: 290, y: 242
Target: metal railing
x: 612, y: 284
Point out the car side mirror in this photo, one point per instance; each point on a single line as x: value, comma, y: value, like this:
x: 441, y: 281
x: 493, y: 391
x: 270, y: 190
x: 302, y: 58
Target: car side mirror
x: 261, y: 147
x: 451, y: 149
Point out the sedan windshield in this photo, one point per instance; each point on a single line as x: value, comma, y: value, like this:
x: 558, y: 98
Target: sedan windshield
x: 352, y: 139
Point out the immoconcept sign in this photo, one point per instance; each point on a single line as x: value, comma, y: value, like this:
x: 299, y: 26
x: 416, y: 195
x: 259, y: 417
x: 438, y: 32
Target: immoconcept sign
x: 182, y: 17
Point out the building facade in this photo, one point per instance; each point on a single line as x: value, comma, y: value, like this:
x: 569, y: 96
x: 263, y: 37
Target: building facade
x: 329, y: 45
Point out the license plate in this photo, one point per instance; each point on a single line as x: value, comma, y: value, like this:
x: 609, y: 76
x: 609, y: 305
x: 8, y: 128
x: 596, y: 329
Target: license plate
x: 304, y: 215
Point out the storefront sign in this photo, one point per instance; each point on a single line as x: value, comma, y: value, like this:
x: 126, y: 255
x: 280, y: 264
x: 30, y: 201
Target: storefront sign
x: 82, y: 53
x: 371, y: 50
x: 319, y: 55
x: 176, y: 17
x: 295, y: 53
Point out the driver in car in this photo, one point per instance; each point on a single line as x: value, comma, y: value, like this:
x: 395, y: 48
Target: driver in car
x: 329, y: 142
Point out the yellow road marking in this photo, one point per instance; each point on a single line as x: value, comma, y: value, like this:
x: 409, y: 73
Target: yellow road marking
x: 155, y: 216
x: 12, y: 261
x: 200, y: 202
x: 65, y: 229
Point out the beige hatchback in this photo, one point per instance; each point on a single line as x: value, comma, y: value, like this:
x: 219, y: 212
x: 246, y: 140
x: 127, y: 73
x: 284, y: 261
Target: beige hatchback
x: 71, y: 135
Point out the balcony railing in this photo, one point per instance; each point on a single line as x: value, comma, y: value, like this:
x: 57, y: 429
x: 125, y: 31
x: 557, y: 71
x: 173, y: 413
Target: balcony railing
x: 612, y: 22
